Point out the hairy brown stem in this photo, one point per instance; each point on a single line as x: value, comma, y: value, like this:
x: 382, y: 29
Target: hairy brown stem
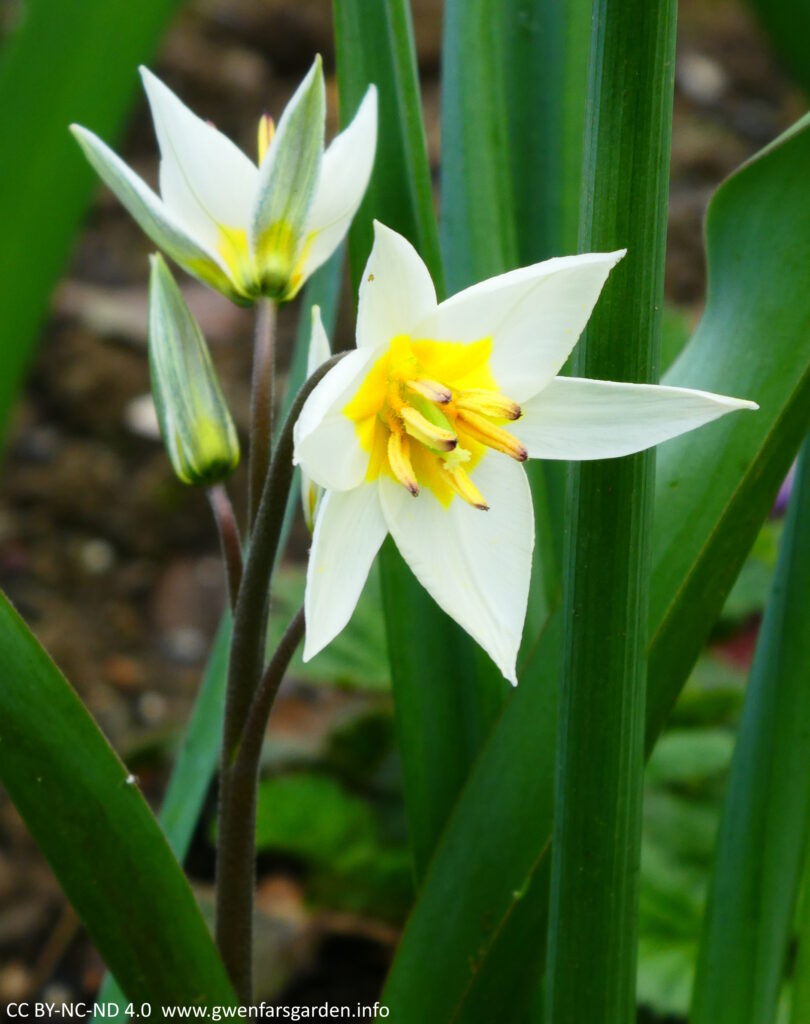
x: 261, y: 403
x: 229, y: 538
x: 237, y: 778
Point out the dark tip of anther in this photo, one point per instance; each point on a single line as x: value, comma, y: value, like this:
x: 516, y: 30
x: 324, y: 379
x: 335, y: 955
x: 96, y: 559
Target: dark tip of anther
x: 483, y: 508
x: 522, y: 455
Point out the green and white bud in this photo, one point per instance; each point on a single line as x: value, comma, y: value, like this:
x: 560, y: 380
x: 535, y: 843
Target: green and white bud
x: 195, y: 422
x: 319, y: 352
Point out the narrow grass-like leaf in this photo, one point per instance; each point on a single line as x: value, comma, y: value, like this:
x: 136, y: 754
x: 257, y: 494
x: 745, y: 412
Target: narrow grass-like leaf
x: 63, y: 62
x: 374, y: 44
x: 477, y: 220
x: 593, y: 920
x: 483, y: 901
x: 760, y: 849
x: 546, y: 72
x: 90, y: 820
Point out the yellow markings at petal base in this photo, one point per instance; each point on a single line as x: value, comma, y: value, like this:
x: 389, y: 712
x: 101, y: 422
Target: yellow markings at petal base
x: 428, y: 412
x: 234, y: 249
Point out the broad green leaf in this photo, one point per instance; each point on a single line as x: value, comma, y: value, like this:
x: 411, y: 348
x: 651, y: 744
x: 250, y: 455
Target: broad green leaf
x: 442, y: 715
x: 90, y: 820
x: 760, y: 851
x: 63, y: 62
x: 479, y: 905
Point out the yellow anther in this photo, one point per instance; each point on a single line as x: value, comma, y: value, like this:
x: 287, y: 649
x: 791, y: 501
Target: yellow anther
x: 399, y: 459
x: 459, y: 480
x: 421, y: 429
x: 432, y: 390
x: 267, y: 129
x: 492, y: 436
x: 488, y: 403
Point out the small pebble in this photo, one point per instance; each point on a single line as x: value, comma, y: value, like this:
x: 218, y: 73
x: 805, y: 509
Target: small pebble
x: 185, y: 645
x: 700, y: 78
x: 15, y: 982
x: 39, y: 445
x: 57, y: 994
x: 152, y: 708
x: 123, y: 673
x: 140, y: 418
x: 97, y: 556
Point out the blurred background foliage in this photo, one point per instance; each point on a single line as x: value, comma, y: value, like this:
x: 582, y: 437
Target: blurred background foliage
x: 114, y: 564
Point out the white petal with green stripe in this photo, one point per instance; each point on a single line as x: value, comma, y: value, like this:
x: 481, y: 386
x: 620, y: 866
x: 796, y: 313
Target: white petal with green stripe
x: 288, y: 181
x: 159, y: 222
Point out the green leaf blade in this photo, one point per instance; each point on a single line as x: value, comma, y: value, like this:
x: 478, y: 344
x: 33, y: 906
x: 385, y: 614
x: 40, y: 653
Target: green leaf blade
x: 749, y: 919
x: 94, y: 827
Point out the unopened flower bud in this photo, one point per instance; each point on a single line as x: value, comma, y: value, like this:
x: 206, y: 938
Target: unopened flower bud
x: 197, y: 427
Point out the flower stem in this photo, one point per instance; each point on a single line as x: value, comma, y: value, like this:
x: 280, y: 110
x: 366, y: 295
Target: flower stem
x: 261, y: 402
x: 250, y: 748
x: 229, y: 538
x: 237, y: 821
x: 237, y: 782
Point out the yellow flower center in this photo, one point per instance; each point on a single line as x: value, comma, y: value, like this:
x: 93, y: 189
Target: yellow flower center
x: 428, y: 411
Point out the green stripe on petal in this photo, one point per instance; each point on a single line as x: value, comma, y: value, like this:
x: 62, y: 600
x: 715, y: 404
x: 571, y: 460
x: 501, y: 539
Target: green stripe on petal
x: 196, y: 425
x: 154, y: 217
x: 288, y: 181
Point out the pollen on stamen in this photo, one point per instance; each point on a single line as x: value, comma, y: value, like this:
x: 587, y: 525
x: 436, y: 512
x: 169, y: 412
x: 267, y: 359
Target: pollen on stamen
x: 488, y: 403
x: 432, y: 390
x: 491, y: 435
x: 422, y: 430
x: 459, y: 480
x: 399, y: 459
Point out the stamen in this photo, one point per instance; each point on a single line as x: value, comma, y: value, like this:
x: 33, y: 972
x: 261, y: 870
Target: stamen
x: 488, y: 403
x: 490, y: 435
x: 421, y: 429
x: 432, y: 390
x: 461, y: 483
x: 399, y: 459
x: 267, y: 129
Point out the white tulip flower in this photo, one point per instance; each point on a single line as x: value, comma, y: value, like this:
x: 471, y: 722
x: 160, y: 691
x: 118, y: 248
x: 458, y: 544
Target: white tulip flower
x: 247, y: 229
x: 421, y: 431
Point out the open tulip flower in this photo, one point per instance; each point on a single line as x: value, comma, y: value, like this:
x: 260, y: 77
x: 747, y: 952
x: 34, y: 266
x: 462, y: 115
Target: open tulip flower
x: 248, y: 229
x: 421, y: 432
